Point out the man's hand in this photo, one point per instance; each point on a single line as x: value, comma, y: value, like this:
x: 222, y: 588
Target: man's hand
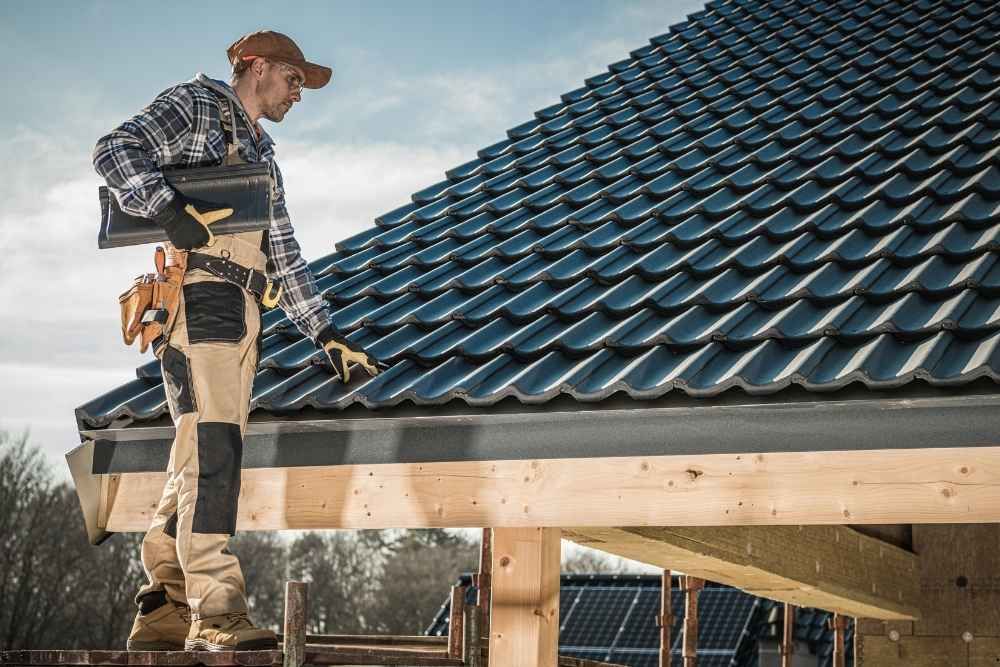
x: 186, y: 221
x: 342, y: 353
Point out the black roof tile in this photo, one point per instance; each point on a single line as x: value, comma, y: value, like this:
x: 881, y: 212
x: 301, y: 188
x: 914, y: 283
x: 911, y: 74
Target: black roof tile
x: 769, y: 193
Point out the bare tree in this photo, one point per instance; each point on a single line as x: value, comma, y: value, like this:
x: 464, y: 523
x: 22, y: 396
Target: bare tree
x: 31, y: 525
x: 341, y: 569
x: 417, y: 576
x: 109, y: 600
x: 56, y: 590
x: 264, y: 558
x: 584, y: 560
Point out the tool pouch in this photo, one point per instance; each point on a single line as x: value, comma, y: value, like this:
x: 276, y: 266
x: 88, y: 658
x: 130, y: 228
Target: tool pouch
x: 150, y: 306
x: 166, y: 299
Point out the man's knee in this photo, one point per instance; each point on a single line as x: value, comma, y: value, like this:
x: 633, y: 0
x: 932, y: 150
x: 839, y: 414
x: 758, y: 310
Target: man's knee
x: 220, y: 455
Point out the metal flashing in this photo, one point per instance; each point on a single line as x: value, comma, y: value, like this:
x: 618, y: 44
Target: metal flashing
x: 906, y: 423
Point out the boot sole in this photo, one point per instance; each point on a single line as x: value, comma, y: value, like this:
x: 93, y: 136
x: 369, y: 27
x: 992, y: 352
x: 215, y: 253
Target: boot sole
x: 251, y: 645
x: 152, y: 646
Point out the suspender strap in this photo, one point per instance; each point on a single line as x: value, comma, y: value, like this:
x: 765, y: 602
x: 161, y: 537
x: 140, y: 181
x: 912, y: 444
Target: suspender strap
x: 249, y: 279
x: 232, y: 148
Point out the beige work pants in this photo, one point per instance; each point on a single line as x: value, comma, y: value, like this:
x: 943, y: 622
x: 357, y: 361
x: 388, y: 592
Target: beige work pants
x: 209, y: 363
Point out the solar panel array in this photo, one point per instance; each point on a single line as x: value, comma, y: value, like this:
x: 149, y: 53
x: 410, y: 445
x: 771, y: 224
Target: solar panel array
x: 612, y: 618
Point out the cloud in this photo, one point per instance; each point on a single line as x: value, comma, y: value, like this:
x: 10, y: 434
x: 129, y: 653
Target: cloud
x: 336, y: 191
x: 470, y: 107
x: 463, y: 107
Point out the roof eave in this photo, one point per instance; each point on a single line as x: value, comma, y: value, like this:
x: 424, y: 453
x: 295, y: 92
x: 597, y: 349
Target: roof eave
x: 800, y: 426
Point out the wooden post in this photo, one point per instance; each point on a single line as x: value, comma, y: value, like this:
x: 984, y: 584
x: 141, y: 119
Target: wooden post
x: 483, y: 580
x: 456, y: 622
x: 839, y: 626
x: 692, y: 586
x: 472, y: 654
x: 296, y: 605
x: 666, y: 620
x: 788, y: 636
x: 524, y: 619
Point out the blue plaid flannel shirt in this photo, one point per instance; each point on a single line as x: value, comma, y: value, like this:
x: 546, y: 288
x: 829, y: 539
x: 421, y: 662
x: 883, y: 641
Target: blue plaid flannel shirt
x: 183, y: 127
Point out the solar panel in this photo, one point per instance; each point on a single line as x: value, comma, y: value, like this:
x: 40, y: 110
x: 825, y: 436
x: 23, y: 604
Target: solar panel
x: 613, y: 619
x: 598, y: 617
x: 641, y: 629
x: 637, y: 658
x: 722, y: 615
x: 714, y: 659
x: 569, y: 598
x: 677, y: 608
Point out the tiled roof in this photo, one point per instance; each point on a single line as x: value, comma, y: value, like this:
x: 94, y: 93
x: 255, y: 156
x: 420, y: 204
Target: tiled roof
x: 613, y: 618
x: 772, y: 193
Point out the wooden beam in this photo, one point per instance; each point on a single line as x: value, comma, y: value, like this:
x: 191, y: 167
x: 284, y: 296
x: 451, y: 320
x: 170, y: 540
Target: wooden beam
x: 954, y: 485
x: 472, y: 654
x: 524, y: 619
x: 666, y: 619
x: 296, y: 619
x: 829, y: 567
x: 788, y: 635
x: 839, y: 626
x: 456, y: 622
x: 692, y: 588
x: 483, y: 580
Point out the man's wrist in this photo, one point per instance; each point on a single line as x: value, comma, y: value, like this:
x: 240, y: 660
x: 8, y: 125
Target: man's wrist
x: 329, y: 334
x: 169, y: 213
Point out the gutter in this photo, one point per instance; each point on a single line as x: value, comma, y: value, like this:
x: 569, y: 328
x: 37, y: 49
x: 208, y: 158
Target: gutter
x: 759, y: 427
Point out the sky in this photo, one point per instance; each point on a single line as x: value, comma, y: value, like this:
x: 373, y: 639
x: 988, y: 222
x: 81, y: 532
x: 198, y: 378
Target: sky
x: 418, y: 87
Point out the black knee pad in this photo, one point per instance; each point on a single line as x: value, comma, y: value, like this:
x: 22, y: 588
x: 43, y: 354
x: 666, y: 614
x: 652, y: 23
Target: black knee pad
x: 220, y: 456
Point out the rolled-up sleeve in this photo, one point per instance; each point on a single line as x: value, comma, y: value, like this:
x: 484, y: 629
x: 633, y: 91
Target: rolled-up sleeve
x: 300, y: 299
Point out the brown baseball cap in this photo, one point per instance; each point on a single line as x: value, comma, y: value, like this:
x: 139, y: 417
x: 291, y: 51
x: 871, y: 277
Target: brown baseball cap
x: 274, y: 45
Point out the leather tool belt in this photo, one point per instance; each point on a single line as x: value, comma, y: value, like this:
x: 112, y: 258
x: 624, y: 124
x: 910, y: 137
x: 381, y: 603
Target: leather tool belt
x: 251, y: 280
x: 149, y: 306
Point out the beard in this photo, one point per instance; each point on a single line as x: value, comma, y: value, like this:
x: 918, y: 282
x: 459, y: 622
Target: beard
x: 276, y: 113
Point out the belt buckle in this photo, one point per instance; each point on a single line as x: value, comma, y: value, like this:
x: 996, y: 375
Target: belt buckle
x: 267, y: 299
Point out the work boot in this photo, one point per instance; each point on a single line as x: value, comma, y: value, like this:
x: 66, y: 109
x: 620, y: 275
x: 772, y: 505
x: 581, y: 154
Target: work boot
x: 228, y: 632
x: 161, y: 629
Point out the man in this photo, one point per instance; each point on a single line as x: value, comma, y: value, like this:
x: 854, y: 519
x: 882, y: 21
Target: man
x: 195, y: 598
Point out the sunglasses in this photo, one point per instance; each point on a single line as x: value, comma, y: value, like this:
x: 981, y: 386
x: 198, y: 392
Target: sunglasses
x: 292, y: 78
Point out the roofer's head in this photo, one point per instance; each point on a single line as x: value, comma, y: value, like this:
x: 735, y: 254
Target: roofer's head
x: 269, y: 73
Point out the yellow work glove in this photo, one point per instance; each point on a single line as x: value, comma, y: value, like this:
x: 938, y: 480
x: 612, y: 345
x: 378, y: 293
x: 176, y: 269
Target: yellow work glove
x: 186, y: 221
x: 342, y: 353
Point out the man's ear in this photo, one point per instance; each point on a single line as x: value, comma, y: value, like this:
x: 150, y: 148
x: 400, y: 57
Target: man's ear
x: 258, y: 67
